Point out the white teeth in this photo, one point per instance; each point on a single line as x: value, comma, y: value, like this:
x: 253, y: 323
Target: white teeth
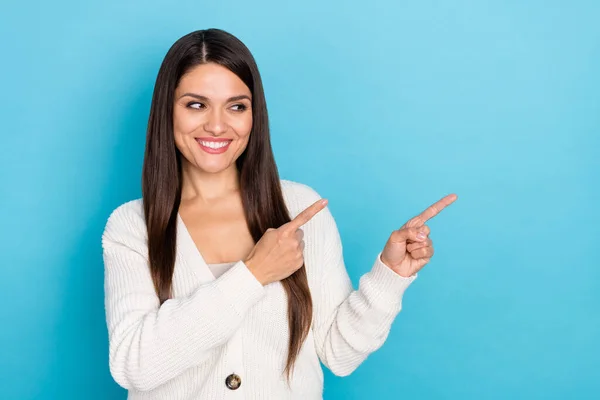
x: 214, y: 145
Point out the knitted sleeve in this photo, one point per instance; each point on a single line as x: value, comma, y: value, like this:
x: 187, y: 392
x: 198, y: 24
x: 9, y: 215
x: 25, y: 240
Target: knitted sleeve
x: 149, y: 343
x: 350, y: 324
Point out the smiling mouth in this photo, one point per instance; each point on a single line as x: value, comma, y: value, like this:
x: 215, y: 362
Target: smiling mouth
x: 214, y: 147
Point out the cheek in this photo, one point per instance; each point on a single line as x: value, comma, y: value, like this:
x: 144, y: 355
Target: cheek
x: 243, y: 126
x: 185, y: 122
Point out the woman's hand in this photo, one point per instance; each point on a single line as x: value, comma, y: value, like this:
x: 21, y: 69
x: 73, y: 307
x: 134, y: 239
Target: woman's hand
x: 279, y: 252
x: 409, y: 248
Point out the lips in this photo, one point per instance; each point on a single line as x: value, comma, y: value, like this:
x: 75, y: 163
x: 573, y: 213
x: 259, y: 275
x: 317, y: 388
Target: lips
x: 213, y: 146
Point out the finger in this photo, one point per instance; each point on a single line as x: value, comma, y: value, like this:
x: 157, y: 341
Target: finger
x: 408, y: 234
x: 425, y: 252
x: 299, y: 234
x: 418, y: 245
x: 421, y: 262
x: 304, y: 216
x: 302, y: 245
x: 423, y: 229
x: 434, y: 210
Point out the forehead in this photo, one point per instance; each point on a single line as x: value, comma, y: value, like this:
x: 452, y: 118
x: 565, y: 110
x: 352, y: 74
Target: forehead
x: 213, y: 81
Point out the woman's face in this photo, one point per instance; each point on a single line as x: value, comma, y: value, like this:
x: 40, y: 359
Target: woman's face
x: 212, y: 117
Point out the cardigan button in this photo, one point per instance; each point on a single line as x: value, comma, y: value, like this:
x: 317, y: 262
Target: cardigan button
x: 233, y: 381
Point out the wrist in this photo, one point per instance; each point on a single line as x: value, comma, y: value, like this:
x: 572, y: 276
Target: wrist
x: 385, y: 262
x: 393, y: 267
x: 252, y: 268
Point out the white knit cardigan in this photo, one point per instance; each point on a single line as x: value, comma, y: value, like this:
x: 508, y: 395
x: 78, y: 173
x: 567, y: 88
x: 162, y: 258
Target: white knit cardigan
x: 211, y: 328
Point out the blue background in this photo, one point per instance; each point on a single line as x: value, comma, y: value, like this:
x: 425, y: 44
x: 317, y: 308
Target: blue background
x: 381, y: 106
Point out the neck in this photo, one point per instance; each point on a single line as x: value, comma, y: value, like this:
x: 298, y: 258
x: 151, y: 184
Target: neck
x: 203, y: 187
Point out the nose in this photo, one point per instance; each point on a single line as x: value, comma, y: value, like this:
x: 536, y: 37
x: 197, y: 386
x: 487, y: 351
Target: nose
x: 215, y: 122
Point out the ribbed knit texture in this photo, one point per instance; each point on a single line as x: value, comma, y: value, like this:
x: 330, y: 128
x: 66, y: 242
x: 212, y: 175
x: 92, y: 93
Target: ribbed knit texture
x: 212, y: 328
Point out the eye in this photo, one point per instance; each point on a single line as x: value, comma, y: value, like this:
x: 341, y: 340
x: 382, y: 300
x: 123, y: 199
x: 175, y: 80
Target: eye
x: 240, y: 107
x: 196, y: 105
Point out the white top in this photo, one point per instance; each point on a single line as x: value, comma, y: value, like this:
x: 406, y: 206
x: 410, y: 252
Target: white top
x: 213, y: 327
x: 219, y: 269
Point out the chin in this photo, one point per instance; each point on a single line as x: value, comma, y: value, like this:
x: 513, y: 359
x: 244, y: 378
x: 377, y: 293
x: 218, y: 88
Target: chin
x: 214, y: 168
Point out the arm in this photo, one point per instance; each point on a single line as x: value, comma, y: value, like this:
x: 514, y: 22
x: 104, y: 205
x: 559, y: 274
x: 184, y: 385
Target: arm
x: 350, y: 324
x: 151, y: 344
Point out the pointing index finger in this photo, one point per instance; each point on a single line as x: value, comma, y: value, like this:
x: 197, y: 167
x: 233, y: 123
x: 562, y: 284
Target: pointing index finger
x: 306, y: 215
x: 435, y: 209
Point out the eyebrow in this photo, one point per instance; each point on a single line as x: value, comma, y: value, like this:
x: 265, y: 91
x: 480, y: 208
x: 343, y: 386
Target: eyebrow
x: 204, y: 98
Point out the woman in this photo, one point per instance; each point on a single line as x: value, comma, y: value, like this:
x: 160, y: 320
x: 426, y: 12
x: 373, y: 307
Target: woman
x: 212, y: 288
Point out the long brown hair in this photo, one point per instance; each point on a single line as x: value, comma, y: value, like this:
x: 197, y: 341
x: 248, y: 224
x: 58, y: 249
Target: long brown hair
x: 260, y: 187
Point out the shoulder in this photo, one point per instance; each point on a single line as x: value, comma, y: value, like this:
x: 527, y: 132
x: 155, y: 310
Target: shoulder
x: 126, y: 224
x: 298, y: 195
x: 322, y: 237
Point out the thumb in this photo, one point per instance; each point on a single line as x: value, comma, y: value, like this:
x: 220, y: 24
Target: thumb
x: 414, y: 234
